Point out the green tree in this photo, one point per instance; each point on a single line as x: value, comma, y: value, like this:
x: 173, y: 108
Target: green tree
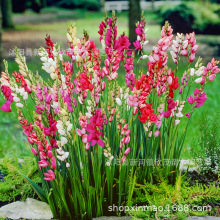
x: 43, y: 3
x: 6, y: 6
x: 134, y: 17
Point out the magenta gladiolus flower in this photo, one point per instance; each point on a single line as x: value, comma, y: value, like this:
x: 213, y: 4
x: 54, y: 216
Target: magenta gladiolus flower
x: 187, y: 115
x: 190, y: 100
x: 6, y: 107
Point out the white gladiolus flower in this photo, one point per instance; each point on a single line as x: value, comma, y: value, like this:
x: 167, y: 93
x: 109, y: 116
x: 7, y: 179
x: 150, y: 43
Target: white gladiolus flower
x: 88, y: 114
x: 173, y: 54
x: 61, y: 56
x: 80, y: 100
x: 53, y: 76
x: 146, y: 42
x: 199, y: 80
x: 62, y: 158
x: 179, y: 115
x: 60, y: 151
x: 180, y: 109
x: 105, y: 154
x: 25, y: 97
x: 174, y: 49
x: 111, y: 158
x: 192, y: 72
x: 118, y: 101
x: 175, y: 43
x: 43, y: 59
x: 55, y: 105
x: 108, y: 164
x: 170, y: 80
x: 69, y: 37
x: 66, y: 154
x: 126, y: 95
x: 22, y: 91
x: 16, y: 99
x: 177, y: 122
x: 19, y: 105
x: 198, y: 73
x: 63, y: 140
x: 185, y: 44
x: 67, y: 165
x: 138, y: 38
x: 52, y: 69
x: 69, y: 128
x: 144, y: 57
x: 61, y: 132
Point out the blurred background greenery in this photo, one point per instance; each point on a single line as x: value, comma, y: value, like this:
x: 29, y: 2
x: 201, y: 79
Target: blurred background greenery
x: 25, y: 24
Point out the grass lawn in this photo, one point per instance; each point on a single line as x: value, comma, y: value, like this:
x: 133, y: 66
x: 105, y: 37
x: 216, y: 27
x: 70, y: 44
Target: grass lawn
x: 12, y: 140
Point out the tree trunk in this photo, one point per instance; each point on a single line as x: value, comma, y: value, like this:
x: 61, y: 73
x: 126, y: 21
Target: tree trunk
x: 1, y: 49
x: 102, y: 3
x: 134, y: 17
x: 153, y: 5
x: 6, y: 7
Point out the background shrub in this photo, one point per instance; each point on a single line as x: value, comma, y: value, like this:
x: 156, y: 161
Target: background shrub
x: 206, y: 151
x: 191, y: 16
x: 13, y: 186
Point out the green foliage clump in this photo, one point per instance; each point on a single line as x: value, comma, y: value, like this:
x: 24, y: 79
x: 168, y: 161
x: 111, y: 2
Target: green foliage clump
x: 164, y: 201
x: 191, y: 16
x: 15, y: 187
x: 207, y: 152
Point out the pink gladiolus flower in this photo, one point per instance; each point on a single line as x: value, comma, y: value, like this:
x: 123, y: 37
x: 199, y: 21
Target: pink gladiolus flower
x: 133, y: 101
x: 127, y: 132
x: 125, y: 127
x: 212, y: 77
x: 54, y: 163
x: 134, y: 112
x: 50, y: 154
x: 181, y: 90
x: 87, y: 146
x: 195, y: 48
x: 127, y: 139
x: 49, y: 176
x: 30, y: 141
x: 192, y: 57
x: 127, y: 151
x: 103, y: 86
x: 156, y: 134
x: 43, y: 163
x: 158, y: 124
x: 123, y: 159
x: 34, y: 151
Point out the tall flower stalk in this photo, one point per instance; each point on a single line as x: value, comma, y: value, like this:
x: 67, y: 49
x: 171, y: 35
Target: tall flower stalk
x: 93, y: 139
